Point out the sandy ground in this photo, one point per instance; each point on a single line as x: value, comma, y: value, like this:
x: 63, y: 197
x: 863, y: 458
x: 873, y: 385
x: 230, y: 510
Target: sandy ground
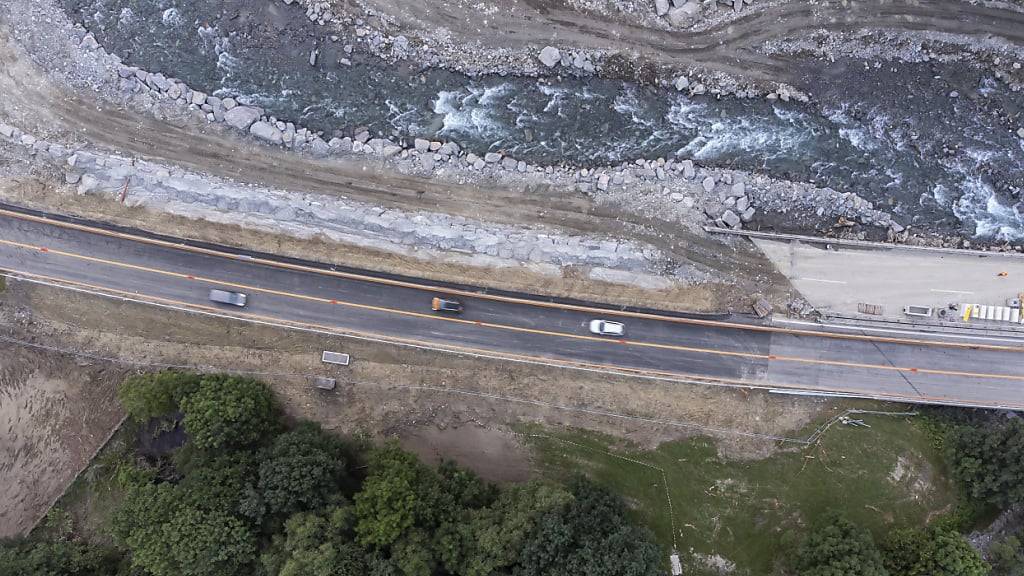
x: 728, y: 45
x: 55, y: 413
x: 57, y: 409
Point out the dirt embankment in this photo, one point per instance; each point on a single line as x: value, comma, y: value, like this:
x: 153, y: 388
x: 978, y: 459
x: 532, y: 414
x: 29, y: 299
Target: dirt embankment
x: 56, y: 411
x: 505, y: 36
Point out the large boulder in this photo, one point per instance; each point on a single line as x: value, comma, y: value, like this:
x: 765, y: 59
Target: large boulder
x: 242, y: 117
x: 550, y: 56
x: 683, y: 15
x: 266, y: 131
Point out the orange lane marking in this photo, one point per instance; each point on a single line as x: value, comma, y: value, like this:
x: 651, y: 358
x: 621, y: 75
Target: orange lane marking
x: 673, y: 347
x: 480, y: 351
x: 508, y: 299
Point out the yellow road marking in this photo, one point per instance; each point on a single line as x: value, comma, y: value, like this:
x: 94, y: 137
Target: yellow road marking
x: 455, y: 348
x: 672, y: 347
x: 507, y: 299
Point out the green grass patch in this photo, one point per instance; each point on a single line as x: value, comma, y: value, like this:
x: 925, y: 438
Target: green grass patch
x: 748, y: 512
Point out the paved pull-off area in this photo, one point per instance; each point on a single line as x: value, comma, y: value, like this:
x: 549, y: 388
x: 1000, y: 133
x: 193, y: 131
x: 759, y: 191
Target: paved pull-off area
x: 910, y: 367
x: 835, y: 278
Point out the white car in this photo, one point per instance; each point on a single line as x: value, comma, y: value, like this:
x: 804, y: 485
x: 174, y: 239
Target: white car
x: 607, y: 328
x: 225, y: 297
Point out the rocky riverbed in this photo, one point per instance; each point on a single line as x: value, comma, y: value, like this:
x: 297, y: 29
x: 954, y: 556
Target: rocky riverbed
x: 931, y: 143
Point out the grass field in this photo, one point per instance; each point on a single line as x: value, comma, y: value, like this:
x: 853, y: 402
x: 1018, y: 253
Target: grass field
x: 740, y: 515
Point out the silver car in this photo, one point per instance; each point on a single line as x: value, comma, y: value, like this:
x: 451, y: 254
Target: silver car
x: 607, y: 328
x: 225, y: 297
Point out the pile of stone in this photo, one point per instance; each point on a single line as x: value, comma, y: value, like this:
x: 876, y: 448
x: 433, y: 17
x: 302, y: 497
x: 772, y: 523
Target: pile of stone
x: 550, y: 57
x: 679, y: 13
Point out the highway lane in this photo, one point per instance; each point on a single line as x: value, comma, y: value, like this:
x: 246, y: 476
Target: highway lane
x: 928, y: 370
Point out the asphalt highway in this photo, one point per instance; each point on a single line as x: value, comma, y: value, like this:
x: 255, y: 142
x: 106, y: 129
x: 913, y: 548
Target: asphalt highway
x: 914, y: 367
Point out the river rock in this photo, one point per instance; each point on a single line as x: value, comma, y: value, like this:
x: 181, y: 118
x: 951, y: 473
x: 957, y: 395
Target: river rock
x: 738, y: 190
x: 158, y: 82
x: 602, y: 182
x: 748, y: 214
x: 492, y: 157
x: 434, y: 146
x: 550, y: 56
x: 240, y: 117
x: 320, y: 148
x: 681, y: 83
x: 89, y: 42
x: 228, y: 103
x: 1020, y: 132
x: 198, y: 98
x: 6, y: 131
x: 708, y: 184
x: 681, y: 17
x: 731, y: 219
x: 661, y: 7
x: 266, y: 131
x: 421, y: 145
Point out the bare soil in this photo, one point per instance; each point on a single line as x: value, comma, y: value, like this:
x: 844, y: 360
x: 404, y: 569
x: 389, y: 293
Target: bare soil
x: 56, y: 411
x: 729, y: 45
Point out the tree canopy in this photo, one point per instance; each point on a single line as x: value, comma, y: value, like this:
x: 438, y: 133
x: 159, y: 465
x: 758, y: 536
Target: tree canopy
x: 837, y: 547
x: 989, y: 460
x: 146, y: 396
x: 228, y: 411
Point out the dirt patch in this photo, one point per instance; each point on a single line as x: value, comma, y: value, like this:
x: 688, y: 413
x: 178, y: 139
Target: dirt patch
x: 55, y: 411
x: 495, y: 455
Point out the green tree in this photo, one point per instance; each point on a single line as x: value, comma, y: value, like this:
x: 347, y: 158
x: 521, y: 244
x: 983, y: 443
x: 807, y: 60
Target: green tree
x: 228, y: 412
x: 208, y: 544
x: 397, y: 495
x: 413, y: 554
x: 946, y: 553
x: 301, y: 470
x: 1007, y: 557
x: 147, y: 396
x: 989, y: 460
x: 317, y: 545
x: 485, y: 541
x: 588, y: 535
x: 465, y: 487
x: 837, y: 547
x: 34, y: 558
x: 176, y: 530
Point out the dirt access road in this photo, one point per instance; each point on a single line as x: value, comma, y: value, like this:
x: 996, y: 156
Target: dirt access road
x: 728, y: 46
